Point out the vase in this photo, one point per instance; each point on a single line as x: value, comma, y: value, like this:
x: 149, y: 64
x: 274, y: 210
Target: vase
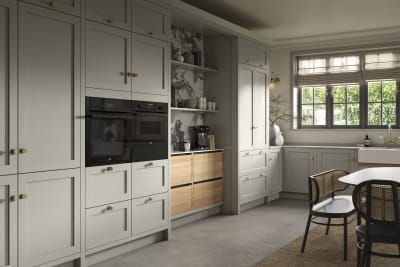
x: 279, y: 141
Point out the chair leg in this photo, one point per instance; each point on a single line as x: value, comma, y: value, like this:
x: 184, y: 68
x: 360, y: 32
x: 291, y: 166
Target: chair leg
x: 327, y: 226
x: 368, y: 256
x: 345, y: 238
x: 358, y: 240
x: 303, y: 246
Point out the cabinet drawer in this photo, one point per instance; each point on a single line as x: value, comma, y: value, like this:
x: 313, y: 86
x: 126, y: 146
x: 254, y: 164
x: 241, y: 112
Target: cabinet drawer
x: 253, y: 186
x: 149, y: 213
x: 208, y: 166
x: 181, y: 199
x: 108, y: 184
x: 151, y: 19
x: 149, y: 178
x: 68, y: 6
x: 108, y: 223
x: 252, y: 160
x: 181, y: 170
x: 208, y: 193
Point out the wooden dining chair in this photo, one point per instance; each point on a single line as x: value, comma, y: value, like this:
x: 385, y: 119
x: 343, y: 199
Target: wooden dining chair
x: 377, y: 202
x: 325, y: 203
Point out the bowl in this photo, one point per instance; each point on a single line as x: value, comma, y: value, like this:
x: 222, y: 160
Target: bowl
x: 190, y: 103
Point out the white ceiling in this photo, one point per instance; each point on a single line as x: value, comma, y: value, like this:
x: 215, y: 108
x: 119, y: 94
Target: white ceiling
x: 280, y: 20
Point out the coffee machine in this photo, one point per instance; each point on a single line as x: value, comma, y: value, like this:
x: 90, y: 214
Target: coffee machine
x: 199, y: 136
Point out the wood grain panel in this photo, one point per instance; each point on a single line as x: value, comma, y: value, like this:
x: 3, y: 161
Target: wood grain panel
x: 181, y: 170
x: 208, y: 166
x: 208, y: 193
x: 181, y: 200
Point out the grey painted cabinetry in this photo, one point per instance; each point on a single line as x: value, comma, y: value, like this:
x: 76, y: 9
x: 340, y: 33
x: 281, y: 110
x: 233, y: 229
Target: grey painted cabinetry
x: 8, y: 221
x: 274, y: 176
x: 300, y: 163
x: 115, y: 13
x: 8, y: 87
x: 72, y: 7
x: 252, y: 54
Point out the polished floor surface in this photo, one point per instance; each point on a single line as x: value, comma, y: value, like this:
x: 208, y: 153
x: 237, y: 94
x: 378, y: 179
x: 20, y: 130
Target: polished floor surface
x: 231, y: 241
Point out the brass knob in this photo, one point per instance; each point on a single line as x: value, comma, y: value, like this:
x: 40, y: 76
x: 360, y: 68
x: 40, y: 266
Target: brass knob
x: 23, y: 150
x: 149, y: 200
x: 151, y: 33
x: 13, y: 198
x: 50, y: 4
x: 13, y: 151
x: 109, y: 169
x: 23, y: 196
x: 149, y: 164
x: 109, y: 21
x: 109, y: 208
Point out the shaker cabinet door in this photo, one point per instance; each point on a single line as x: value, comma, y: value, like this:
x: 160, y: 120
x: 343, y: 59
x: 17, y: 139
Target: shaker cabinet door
x: 115, y: 13
x: 246, y: 141
x: 8, y: 221
x: 108, y: 57
x: 261, y: 124
x: 8, y: 87
x: 150, y: 65
x: 49, y: 89
x: 48, y: 216
x: 72, y: 7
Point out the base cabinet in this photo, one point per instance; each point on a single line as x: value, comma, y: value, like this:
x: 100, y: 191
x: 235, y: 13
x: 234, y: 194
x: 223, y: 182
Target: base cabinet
x: 181, y: 199
x: 274, y: 177
x: 208, y: 193
x: 253, y: 186
x: 49, y: 216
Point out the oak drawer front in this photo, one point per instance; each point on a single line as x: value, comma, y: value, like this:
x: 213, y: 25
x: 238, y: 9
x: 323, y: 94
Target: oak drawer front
x: 149, y: 178
x: 149, y: 213
x: 253, y: 186
x: 208, y: 166
x: 252, y: 160
x: 208, y: 193
x: 108, y: 223
x: 108, y: 184
x: 181, y: 170
x: 181, y: 199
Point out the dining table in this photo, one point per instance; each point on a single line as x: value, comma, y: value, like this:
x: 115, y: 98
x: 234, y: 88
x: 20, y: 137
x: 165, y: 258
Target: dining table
x: 376, y: 173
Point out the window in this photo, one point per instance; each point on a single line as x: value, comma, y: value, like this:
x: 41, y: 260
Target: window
x: 348, y: 90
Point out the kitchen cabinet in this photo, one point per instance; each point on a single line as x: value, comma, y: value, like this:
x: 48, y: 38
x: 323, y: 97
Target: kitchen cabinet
x: 108, y: 223
x: 48, y: 216
x: 8, y: 87
x: 150, y: 214
x: 274, y: 176
x: 253, y: 91
x: 150, y: 65
x: 108, y: 57
x: 108, y: 184
x: 252, y: 54
x: 196, y: 181
x: 301, y: 162
x: 49, y: 78
x: 253, y: 160
x: 150, y: 178
x: 8, y: 221
x: 253, y: 186
x: 117, y: 13
x: 151, y: 19
x: 72, y: 7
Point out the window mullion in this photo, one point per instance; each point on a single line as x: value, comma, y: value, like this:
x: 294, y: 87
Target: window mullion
x: 329, y: 107
x: 363, y: 105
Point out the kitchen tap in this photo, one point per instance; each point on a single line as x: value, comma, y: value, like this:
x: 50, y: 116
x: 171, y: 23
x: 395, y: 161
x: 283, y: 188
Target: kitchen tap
x: 389, y: 140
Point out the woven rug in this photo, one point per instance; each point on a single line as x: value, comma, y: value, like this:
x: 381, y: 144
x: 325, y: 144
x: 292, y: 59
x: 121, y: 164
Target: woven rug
x: 326, y: 251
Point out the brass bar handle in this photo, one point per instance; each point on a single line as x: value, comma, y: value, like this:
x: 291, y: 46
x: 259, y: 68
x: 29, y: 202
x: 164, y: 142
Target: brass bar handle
x: 149, y: 164
x: 23, y: 196
x: 13, y: 198
x: 13, y: 151
x: 109, y: 208
x: 260, y: 152
x: 22, y: 150
x: 150, y: 199
x: 110, y: 169
x: 133, y: 74
x: 247, y: 153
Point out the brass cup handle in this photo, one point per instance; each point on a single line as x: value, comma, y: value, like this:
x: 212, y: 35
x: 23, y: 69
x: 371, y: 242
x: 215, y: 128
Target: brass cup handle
x: 13, y: 198
x: 13, y: 151
x: 22, y: 150
x: 109, y: 208
x: 149, y: 164
x: 23, y: 196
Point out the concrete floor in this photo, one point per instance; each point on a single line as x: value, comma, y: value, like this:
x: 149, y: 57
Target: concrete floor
x: 234, y: 241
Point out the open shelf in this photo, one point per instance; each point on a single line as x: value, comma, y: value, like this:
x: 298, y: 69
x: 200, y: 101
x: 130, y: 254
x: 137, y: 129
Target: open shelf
x: 193, y: 110
x: 187, y: 66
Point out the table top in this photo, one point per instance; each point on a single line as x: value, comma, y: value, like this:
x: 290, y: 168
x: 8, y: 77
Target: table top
x: 378, y: 173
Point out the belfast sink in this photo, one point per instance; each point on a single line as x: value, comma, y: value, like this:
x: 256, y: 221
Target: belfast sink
x: 381, y: 155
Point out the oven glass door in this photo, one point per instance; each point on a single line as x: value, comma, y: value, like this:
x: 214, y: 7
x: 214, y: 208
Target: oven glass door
x: 151, y: 127
x: 107, y: 138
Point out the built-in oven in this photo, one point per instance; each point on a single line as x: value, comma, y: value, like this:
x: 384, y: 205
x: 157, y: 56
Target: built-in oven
x: 108, y: 134
x: 150, y: 140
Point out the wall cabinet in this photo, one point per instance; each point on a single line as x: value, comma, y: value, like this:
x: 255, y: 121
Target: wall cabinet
x: 108, y: 184
x: 253, y: 54
x: 72, y: 7
x: 8, y: 87
x: 48, y: 199
x: 108, y: 223
x: 300, y: 163
x: 197, y: 181
x: 115, y: 13
x: 49, y: 78
x: 253, y: 108
x: 8, y: 221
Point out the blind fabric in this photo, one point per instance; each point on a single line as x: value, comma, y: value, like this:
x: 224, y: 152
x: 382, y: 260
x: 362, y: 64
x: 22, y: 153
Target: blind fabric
x: 347, y: 68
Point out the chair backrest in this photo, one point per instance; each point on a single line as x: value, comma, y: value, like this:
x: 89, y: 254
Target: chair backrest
x: 377, y: 201
x: 325, y: 184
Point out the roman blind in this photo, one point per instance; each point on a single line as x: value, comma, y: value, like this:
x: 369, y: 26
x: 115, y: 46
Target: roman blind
x: 383, y: 64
